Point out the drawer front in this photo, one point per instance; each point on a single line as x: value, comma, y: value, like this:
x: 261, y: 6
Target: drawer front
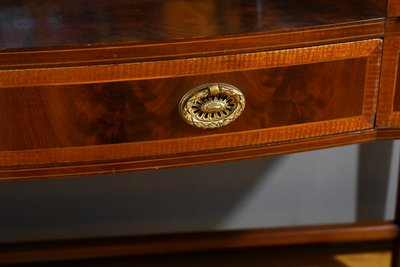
x: 131, y: 110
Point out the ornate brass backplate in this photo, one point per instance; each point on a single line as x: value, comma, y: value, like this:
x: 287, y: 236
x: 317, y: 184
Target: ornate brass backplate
x: 212, y: 105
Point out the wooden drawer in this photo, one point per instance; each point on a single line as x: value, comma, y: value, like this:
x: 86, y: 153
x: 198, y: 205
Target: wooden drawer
x: 124, y: 111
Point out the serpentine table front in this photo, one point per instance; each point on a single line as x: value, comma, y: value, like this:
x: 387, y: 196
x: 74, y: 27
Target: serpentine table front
x: 95, y: 87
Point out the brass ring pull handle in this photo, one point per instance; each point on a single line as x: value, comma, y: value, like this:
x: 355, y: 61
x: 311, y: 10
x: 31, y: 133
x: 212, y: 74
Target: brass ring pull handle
x: 212, y: 105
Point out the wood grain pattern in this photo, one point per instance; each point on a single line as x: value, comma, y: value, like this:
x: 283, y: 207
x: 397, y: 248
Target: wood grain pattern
x: 394, y: 8
x: 54, y: 163
x: 98, y: 248
x: 146, y: 110
x: 185, y: 67
x: 99, y: 117
x: 91, y: 87
x: 41, y: 24
x: 392, y: 26
x: 388, y: 114
x: 192, y: 48
x: 93, y: 167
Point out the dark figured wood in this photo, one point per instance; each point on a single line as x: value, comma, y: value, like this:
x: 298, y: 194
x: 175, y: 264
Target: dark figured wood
x: 49, y: 23
x: 91, y: 87
x: 191, y: 48
x: 111, y: 247
x: 86, y: 32
x: 107, y: 113
x: 284, y: 103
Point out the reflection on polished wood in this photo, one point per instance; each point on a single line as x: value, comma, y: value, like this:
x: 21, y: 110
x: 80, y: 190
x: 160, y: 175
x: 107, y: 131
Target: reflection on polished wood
x: 48, y: 23
x: 291, y: 94
x: 95, y: 114
x: 92, y: 87
x: 86, y: 32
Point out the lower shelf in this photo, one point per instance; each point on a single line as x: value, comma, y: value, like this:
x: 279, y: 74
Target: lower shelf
x: 354, y: 255
x: 161, y: 244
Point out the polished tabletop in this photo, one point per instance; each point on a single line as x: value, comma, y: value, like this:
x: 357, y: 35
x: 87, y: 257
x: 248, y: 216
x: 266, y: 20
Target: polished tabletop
x: 36, y: 24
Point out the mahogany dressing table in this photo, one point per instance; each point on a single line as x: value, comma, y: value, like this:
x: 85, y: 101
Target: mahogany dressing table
x: 95, y: 87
